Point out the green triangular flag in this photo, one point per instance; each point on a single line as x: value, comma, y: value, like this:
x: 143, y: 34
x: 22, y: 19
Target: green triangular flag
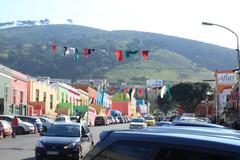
x: 76, y: 55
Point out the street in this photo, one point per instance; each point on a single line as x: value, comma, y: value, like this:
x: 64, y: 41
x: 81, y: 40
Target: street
x: 22, y: 148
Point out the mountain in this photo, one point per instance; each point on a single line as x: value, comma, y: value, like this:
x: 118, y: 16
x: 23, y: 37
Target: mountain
x: 28, y: 49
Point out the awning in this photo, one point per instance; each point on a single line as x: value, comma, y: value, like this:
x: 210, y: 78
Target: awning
x: 80, y: 108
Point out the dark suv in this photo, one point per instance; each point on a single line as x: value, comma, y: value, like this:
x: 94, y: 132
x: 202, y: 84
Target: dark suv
x: 33, y: 120
x: 168, y: 143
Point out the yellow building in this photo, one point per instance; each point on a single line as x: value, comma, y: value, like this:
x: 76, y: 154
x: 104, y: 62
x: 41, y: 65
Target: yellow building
x: 43, y: 97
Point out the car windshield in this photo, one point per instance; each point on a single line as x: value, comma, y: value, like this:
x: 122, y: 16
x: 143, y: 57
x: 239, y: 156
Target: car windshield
x: 137, y: 120
x: 60, y: 119
x: 149, y: 118
x: 64, y: 131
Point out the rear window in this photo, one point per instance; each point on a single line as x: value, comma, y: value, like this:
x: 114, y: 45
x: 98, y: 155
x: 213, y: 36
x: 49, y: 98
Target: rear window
x: 99, y: 118
x: 60, y: 119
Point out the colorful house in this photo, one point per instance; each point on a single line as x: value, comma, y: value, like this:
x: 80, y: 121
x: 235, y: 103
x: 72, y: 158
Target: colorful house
x: 68, y: 97
x: 43, y: 97
x: 13, y: 92
x: 124, y: 104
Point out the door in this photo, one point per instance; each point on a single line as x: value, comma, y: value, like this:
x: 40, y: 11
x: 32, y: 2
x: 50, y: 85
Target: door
x: 84, y: 141
x: 1, y: 106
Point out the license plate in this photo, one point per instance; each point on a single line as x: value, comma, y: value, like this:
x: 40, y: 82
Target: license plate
x: 52, y: 153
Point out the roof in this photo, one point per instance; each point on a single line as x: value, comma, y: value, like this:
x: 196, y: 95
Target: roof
x: 215, y: 138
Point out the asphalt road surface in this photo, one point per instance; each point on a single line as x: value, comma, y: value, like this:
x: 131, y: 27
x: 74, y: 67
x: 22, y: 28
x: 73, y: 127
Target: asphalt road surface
x: 22, y: 147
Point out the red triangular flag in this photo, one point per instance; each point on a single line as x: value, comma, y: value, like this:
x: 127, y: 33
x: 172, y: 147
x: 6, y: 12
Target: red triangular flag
x: 145, y: 54
x: 54, y: 48
x: 86, y: 52
x: 119, y: 55
x: 140, y: 92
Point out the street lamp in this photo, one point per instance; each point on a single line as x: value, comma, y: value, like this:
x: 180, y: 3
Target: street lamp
x: 208, y: 95
x: 213, y: 24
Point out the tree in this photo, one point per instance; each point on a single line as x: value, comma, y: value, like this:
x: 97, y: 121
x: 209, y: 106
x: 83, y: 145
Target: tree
x: 189, y: 95
x: 164, y: 104
x: 69, y: 21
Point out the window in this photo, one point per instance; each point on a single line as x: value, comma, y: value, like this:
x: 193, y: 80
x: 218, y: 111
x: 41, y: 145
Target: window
x: 6, y: 94
x: 66, y: 98
x: 127, y: 150
x: 62, y: 97
x: 14, y: 96
x: 180, y: 154
x: 51, y: 101
x: 44, y: 96
x: 21, y: 97
x: 37, y: 95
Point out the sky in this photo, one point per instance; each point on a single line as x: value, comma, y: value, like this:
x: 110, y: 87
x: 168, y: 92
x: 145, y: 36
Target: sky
x: 181, y: 18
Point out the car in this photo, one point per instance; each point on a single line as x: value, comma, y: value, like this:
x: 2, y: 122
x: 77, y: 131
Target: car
x: 150, y: 120
x: 101, y: 120
x: 65, y: 119
x: 137, y: 123
x: 121, y: 120
x: 191, y: 119
x: 196, y: 124
x: 24, y: 127
x: 163, y: 123
x: 33, y: 120
x: 74, y: 118
x: 47, y: 123
x: 64, y: 141
x: 116, y: 120
x: 5, y: 128
x: 205, y: 119
x: 167, y: 143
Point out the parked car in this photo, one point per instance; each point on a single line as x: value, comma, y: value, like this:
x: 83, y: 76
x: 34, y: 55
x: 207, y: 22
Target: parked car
x: 196, y: 124
x: 116, y: 120
x: 163, y: 123
x: 5, y: 128
x: 191, y: 119
x: 64, y: 141
x: 33, y: 120
x: 101, y: 120
x: 65, y: 119
x: 74, y: 118
x: 150, y: 120
x: 168, y: 143
x: 47, y: 123
x: 137, y: 123
x: 121, y: 120
x: 24, y: 127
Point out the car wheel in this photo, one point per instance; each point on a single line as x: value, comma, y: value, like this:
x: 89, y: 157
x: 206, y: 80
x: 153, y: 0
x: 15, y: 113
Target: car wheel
x: 20, y: 131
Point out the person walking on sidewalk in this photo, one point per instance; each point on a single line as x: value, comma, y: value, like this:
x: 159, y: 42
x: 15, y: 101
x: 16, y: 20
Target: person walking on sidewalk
x: 15, y: 123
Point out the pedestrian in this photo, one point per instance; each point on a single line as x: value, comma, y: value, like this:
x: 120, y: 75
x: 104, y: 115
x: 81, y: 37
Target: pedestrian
x: 14, y: 124
x: 79, y: 119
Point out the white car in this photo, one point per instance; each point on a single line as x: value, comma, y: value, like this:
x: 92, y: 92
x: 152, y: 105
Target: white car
x: 65, y: 119
x: 47, y: 123
x: 23, y: 127
x: 137, y: 123
x: 191, y: 119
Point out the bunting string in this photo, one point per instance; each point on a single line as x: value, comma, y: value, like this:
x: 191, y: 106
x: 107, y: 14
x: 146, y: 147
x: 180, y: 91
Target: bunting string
x: 89, y: 51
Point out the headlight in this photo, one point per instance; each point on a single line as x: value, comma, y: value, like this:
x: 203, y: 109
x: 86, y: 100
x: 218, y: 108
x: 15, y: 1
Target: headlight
x: 39, y: 145
x: 71, y: 145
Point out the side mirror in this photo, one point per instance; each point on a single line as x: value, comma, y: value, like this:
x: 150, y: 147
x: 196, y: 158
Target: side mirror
x: 85, y: 136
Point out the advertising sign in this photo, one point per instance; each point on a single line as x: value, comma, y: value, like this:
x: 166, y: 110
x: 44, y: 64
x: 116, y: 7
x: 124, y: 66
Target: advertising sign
x: 226, y: 78
x: 154, y: 83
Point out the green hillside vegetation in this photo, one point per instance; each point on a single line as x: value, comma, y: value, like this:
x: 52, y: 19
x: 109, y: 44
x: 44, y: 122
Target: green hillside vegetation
x: 162, y: 64
x: 28, y: 49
